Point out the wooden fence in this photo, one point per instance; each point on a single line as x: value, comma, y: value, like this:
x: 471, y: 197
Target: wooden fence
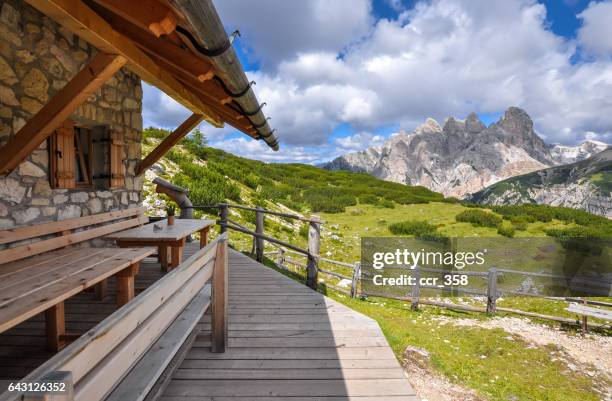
x: 286, y: 253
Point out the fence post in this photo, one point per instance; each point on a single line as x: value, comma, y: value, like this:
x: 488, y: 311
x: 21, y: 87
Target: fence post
x: 223, y: 217
x: 492, y: 291
x: 259, y: 229
x: 312, y: 267
x: 416, y: 290
x: 355, y: 282
x: 280, y: 262
x: 219, y: 297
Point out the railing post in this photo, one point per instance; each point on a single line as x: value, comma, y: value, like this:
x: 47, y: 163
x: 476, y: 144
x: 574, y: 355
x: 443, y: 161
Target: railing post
x: 416, y: 290
x: 280, y: 262
x: 219, y: 297
x: 314, y: 244
x: 355, y: 282
x: 223, y: 217
x: 259, y: 229
x: 492, y: 291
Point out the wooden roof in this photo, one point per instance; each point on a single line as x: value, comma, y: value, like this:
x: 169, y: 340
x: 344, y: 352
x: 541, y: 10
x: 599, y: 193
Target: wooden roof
x: 146, y: 33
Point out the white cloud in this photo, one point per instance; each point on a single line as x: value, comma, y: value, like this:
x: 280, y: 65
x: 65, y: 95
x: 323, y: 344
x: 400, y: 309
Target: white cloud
x: 595, y: 35
x: 277, y: 30
x: 260, y: 151
x: 358, y: 141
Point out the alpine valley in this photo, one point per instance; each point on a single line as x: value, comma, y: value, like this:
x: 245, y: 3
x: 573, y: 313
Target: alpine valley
x: 464, y: 157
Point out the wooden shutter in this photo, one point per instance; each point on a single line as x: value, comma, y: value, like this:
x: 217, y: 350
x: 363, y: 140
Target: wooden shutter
x: 63, y: 156
x: 117, y: 167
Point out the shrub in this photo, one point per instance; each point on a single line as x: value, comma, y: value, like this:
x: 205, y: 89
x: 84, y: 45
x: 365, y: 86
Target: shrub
x: 417, y: 228
x: 479, y: 218
x: 506, y: 229
x: 520, y: 222
x: 576, y: 231
x: 386, y: 204
x: 368, y: 199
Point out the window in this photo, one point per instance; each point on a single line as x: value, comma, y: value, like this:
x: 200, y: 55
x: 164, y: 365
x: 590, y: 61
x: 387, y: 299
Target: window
x: 86, y: 157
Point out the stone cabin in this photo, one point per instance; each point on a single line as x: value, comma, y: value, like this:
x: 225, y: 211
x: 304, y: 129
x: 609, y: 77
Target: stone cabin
x: 71, y: 106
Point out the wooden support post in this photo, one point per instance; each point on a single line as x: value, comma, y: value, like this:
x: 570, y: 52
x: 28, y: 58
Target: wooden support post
x: 55, y: 323
x: 314, y: 244
x: 355, y: 281
x: 169, y: 142
x: 125, y: 284
x: 223, y: 217
x: 163, y: 257
x: 280, y: 262
x: 204, y: 237
x: 259, y: 229
x: 492, y: 291
x: 63, y: 379
x: 176, y: 253
x: 416, y: 290
x: 38, y: 128
x: 101, y: 289
x: 219, y: 297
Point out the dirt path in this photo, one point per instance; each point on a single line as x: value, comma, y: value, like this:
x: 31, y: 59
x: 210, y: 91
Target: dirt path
x: 430, y: 385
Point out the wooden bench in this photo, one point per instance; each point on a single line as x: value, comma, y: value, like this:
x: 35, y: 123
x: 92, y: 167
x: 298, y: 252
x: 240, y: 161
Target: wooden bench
x: 127, y: 355
x: 584, y: 310
x: 40, y: 274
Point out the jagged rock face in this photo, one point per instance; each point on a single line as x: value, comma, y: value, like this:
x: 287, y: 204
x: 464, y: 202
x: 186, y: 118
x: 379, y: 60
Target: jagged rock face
x: 570, y: 154
x: 463, y: 157
x: 460, y: 158
x: 582, y: 185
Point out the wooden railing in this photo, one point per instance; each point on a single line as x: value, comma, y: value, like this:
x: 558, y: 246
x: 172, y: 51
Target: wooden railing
x: 111, y: 361
x: 314, y: 235
x: 284, y: 255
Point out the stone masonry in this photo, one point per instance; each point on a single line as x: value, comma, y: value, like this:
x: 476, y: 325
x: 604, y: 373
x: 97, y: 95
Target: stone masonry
x: 37, y: 58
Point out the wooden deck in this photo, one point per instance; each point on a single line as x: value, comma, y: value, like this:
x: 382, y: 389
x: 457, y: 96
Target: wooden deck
x: 286, y: 342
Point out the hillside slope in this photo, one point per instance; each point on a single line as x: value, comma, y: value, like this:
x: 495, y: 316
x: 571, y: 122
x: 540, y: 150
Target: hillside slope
x: 586, y: 185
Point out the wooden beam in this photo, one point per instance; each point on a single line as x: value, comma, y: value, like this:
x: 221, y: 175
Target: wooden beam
x: 149, y: 15
x: 179, y: 57
x: 101, y: 67
x: 87, y: 24
x: 168, y: 142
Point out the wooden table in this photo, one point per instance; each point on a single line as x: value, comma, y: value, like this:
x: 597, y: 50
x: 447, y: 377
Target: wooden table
x: 44, y: 282
x: 163, y: 236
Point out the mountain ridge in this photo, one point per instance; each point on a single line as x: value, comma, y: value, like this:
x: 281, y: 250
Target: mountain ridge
x: 463, y: 156
x: 585, y: 184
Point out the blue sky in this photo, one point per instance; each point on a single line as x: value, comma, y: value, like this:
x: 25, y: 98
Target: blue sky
x: 342, y: 75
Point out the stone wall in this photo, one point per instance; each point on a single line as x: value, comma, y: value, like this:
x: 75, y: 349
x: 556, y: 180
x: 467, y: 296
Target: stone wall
x: 37, y: 58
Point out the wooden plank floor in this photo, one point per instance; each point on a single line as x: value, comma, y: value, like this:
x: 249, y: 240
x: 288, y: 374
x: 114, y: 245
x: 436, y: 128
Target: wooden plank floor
x: 287, y: 342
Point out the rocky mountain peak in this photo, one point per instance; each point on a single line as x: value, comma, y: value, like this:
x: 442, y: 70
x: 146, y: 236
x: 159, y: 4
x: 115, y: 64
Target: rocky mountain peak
x: 429, y: 126
x: 516, y: 122
x: 473, y: 124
